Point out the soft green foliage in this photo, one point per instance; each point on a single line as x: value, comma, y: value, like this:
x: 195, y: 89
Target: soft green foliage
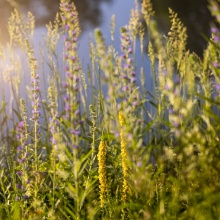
x: 101, y: 144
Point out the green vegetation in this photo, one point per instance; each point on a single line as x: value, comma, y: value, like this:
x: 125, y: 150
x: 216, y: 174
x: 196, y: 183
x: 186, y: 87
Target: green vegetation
x: 101, y: 144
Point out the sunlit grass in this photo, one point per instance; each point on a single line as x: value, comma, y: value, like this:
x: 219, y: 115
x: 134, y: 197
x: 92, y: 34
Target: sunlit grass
x: 101, y: 144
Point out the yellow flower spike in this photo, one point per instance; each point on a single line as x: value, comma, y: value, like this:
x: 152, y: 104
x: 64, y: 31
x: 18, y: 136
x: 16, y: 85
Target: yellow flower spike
x: 125, y: 188
x: 102, y: 172
x: 121, y: 118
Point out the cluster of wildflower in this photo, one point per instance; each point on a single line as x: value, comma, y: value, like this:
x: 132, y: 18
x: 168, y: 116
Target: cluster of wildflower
x: 124, y: 158
x: 34, y: 86
x: 102, y: 172
x: 216, y: 39
x: 129, y: 74
x: 21, y: 134
x: 53, y: 120
x: 215, y: 35
x: 35, y: 102
x: 70, y: 21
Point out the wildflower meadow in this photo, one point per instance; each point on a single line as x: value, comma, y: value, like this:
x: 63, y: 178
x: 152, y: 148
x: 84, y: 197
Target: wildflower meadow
x: 95, y: 141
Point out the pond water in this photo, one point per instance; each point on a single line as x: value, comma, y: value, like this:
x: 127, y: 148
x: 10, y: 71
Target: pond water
x: 97, y: 13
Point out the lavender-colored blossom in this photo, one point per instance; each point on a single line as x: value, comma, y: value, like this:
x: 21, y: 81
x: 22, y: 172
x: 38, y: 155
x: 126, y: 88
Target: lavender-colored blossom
x: 65, y: 85
x: 130, y: 50
x: 166, y: 87
x: 77, y: 112
x: 215, y: 64
x: 52, y: 130
x: 74, y: 32
x: 217, y: 39
x: 66, y: 97
x: 217, y: 86
x: 19, y: 148
x: 75, y: 39
x: 124, y: 88
x: 75, y: 146
x: 129, y: 60
x: 135, y: 103
x: 139, y: 164
x: 19, y: 173
x: 73, y: 58
x: 170, y: 110
x: 67, y: 107
x: 116, y: 134
x: 21, y: 160
x: 127, y: 66
x: 53, y: 140
x: 77, y: 79
x: 133, y: 79
x: 25, y: 197
x: 67, y: 27
x: 18, y: 186
x: 75, y: 132
x: 177, y: 80
x: 133, y: 73
x: 175, y: 124
x: 214, y: 30
x: 123, y: 56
